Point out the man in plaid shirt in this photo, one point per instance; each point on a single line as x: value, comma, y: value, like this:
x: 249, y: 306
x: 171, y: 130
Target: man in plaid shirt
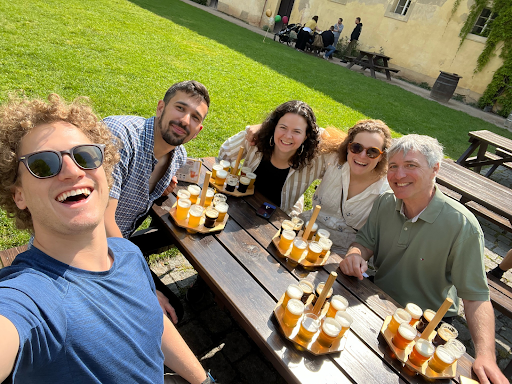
x: 151, y: 153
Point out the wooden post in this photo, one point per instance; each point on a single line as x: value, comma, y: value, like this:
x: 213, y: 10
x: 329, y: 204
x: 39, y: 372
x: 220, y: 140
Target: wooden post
x: 206, y: 183
x: 234, y: 171
x: 316, y: 211
x: 327, y: 287
x: 437, y: 318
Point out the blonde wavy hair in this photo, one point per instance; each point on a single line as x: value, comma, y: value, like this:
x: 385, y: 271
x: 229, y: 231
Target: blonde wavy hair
x: 19, y: 115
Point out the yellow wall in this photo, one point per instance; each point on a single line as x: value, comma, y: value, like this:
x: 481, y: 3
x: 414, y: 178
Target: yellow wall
x: 252, y: 11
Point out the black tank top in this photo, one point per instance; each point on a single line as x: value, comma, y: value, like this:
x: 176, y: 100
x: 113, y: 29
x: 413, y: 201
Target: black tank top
x: 270, y: 181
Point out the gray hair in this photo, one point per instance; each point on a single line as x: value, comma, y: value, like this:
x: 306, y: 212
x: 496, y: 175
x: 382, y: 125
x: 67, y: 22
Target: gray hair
x: 426, y: 145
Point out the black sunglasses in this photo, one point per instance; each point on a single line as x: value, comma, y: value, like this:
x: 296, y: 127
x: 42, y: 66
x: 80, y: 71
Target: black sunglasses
x: 45, y: 164
x: 371, y: 152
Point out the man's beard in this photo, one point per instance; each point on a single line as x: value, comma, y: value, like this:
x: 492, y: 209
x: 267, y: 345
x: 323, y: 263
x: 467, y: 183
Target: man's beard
x: 168, y: 134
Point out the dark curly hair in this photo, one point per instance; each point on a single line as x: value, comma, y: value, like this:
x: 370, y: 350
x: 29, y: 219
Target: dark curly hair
x: 371, y: 126
x: 19, y: 116
x: 301, y: 158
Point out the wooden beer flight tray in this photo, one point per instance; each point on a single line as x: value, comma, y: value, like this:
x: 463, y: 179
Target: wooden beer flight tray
x: 291, y: 332
x: 221, y: 189
x: 429, y: 333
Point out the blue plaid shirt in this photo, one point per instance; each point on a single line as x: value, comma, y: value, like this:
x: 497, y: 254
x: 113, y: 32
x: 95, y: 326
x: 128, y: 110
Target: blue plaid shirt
x: 132, y: 173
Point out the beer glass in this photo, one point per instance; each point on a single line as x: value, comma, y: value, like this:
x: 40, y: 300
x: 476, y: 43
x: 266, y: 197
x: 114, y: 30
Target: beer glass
x: 458, y: 349
x: 286, y: 239
x: 215, y: 169
x: 422, y: 351
x: 210, y: 192
x: 345, y: 320
x: 222, y: 208
x: 195, y: 214
x: 294, y: 291
x: 338, y: 303
x: 245, y: 170
x: 210, y: 217
x: 195, y: 191
x: 329, y: 331
x: 243, y: 184
x: 183, y: 194
x: 219, y: 198
x: 231, y: 183
x: 445, y: 333
x: 307, y: 288
x: 314, y: 251
x: 220, y: 178
x: 425, y: 319
x: 299, y: 246
x: 318, y: 292
x: 297, y: 224
x: 182, y: 208
x: 314, y: 228
x: 286, y: 225
x: 308, y: 327
x: 252, y: 177
x: 405, y: 335
x: 322, y: 233
x: 415, y: 312
x: 225, y: 165
x: 293, y: 311
x: 325, y: 244
x: 442, y: 359
x: 400, y: 316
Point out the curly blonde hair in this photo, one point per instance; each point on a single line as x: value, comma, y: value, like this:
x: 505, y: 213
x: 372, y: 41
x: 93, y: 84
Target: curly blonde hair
x: 19, y: 115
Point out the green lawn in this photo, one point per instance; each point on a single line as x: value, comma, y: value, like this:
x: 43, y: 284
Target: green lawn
x: 124, y: 55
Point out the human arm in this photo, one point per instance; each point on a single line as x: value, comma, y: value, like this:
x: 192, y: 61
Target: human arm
x: 172, y: 185
x: 355, y: 262
x: 251, y: 133
x: 9, y: 346
x: 229, y: 149
x: 480, y: 318
x: 110, y: 219
x: 178, y: 355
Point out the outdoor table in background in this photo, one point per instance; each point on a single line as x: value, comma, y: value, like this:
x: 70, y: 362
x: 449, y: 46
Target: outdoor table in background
x: 481, y: 140
x: 244, y: 270
x: 371, y: 62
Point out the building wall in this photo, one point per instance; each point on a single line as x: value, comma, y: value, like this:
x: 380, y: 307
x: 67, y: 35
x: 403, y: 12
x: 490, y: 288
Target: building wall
x: 251, y: 11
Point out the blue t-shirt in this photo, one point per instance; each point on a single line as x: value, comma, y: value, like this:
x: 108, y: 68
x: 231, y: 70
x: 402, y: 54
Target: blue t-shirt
x: 77, y: 326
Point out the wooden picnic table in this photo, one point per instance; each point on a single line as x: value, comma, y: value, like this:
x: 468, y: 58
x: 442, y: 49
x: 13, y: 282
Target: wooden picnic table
x: 370, y: 60
x: 481, y: 140
x: 246, y: 273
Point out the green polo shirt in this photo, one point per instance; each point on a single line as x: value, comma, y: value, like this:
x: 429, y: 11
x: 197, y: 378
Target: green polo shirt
x: 420, y: 262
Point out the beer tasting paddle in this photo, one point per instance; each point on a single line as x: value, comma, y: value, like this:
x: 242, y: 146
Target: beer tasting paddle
x: 218, y: 225
x: 233, y: 172
x: 316, y: 211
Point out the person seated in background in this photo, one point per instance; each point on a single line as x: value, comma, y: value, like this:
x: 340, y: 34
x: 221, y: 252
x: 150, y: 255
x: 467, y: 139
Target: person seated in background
x: 328, y: 40
x: 354, y: 176
x: 76, y: 306
x: 502, y: 267
x: 427, y: 246
x: 284, y: 155
x: 306, y: 33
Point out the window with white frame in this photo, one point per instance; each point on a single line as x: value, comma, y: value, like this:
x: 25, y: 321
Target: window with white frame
x: 402, y: 6
x: 483, y: 24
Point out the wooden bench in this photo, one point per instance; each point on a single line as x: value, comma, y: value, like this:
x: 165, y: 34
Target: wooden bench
x: 386, y: 68
x: 8, y: 256
x: 500, y: 154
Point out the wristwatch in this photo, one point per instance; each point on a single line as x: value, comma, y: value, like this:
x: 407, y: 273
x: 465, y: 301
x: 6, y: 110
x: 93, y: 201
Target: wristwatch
x: 209, y: 378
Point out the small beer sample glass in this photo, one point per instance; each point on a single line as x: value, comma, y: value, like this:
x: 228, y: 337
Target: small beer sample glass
x: 219, y: 198
x: 400, y: 316
x: 233, y: 164
x: 245, y: 170
x: 322, y: 233
x: 325, y: 244
x: 425, y: 319
x: 231, y: 183
x: 286, y: 225
x: 456, y: 347
x: 297, y: 224
x: 299, y: 246
x: 182, y: 208
x: 338, y: 303
x: 307, y: 288
x: 318, y: 292
x: 243, y: 184
x: 445, y: 333
x: 225, y: 165
x: 345, y: 320
x: 286, y: 239
x: 183, y: 194
x: 210, y: 217
x: 308, y: 327
x: 405, y: 335
x: 252, y: 177
x: 210, y: 192
x: 415, y: 312
x: 222, y: 208
x: 329, y: 332
x: 195, y: 214
x: 195, y: 191
x: 314, y: 251
x: 220, y: 177
x: 215, y: 169
x: 293, y: 311
x: 422, y: 351
x: 314, y: 228
x: 442, y: 359
x: 294, y: 291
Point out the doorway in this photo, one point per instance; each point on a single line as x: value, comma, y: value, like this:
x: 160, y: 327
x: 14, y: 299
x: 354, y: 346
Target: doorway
x: 285, y: 9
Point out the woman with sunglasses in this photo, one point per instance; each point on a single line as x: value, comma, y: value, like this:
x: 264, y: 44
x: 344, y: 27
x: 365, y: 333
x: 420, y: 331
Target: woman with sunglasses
x: 284, y: 156
x: 354, y: 177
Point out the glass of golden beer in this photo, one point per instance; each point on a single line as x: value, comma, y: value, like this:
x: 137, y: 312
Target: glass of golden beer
x: 286, y: 225
x: 338, y: 303
x: 299, y: 246
x: 314, y: 228
x: 293, y: 311
x: 195, y: 191
x: 222, y: 208
x: 252, y: 177
x: 307, y: 288
x: 325, y: 244
x: 422, y: 351
x: 297, y: 224
x: 215, y: 169
x: 225, y: 165
x: 286, y: 239
x: 294, y: 291
x: 415, y: 312
x: 425, y: 319
x: 445, y: 333
x: 220, y: 178
x: 182, y: 208
x: 442, y: 359
x: 400, y: 316
x: 183, y: 194
x: 345, y: 320
x: 457, y: 348
x: 329, y: 332
x: 308, y: 327
x: 210, y: 192
x: 314, y: 251
x: 322, y: 233
x: 405, y: 335
x: 194, y: 215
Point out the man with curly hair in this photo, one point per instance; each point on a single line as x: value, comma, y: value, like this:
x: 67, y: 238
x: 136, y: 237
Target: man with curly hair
x: 69, y: 308
x: 151, y: 153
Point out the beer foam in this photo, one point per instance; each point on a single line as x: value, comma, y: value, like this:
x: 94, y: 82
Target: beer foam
x: 424, y: 347
x: 445, y: 355
x: 184, y: 203
x: 306, y: 286
x: 296, y: 307
x: 294, y: 291
x: 196, y: 210
x: 194, y: 189
x: 331, y: 327
x: 402, y: 316
x: 446, y: 334
x: 344, y: 319
x: 315, y: 247
x: 301, y: 244
x: 287, y: 234
x: 429, y: 315
x: 407, y: 332
x: 323, y: 233
x: 414, y: 310
x: 339, y: 303
x: 310, y: 324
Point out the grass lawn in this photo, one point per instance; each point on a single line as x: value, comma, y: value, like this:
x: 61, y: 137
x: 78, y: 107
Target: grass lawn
x: 125, y: 54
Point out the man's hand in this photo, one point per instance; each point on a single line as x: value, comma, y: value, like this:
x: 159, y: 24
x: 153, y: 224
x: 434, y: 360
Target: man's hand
x: 486, y: 369
x: 354, y: 265
x: 167, y: 307
x: 172, y: 185
x: 251, y: 134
